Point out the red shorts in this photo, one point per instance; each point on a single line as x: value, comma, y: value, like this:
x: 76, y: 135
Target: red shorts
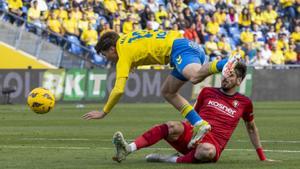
x: 182, y: 142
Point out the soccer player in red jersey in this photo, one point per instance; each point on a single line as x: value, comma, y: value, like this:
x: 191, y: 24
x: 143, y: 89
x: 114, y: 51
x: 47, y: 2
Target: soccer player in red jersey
x: 221, y: 107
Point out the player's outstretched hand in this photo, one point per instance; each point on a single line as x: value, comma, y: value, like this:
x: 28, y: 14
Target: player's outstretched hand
x: 94, y: 115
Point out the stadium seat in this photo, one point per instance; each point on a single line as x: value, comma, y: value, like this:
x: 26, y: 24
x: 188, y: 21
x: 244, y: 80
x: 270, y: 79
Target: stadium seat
x: 98, y: 60
x: 73, y: 46
x: 223, y: 31
x: 233, y: 31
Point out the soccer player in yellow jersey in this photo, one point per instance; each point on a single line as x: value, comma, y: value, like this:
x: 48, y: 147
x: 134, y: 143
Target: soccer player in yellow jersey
x: 158, y: 47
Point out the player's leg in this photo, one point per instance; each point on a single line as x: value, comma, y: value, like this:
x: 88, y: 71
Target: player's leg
x: 170, y: 89
x: 187, y: 58
x: 196, y: 72
x: 170, y: 130
x: 204, y: 153
x: 170, y: 92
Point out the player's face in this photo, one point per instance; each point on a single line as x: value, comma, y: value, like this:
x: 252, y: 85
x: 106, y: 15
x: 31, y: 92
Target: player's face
x: 230, y: 82
x: 111, y: 54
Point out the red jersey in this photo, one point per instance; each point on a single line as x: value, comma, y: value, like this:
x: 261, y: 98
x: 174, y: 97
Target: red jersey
x: 223, y: 112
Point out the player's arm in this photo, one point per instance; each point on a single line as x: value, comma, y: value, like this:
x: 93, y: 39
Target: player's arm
x: 255, y: 139
x: 115, y: 94
x: 113, y: 99
x: 122, y: 73
x: 252, y: 130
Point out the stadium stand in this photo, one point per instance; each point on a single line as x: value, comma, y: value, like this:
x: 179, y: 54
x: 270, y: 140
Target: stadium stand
x: 14, y: 59
x: 252, y: 26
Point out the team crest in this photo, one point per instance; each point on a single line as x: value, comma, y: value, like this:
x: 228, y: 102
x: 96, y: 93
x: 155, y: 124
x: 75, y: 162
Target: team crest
x: 235, y: 103
x: 179, y: 59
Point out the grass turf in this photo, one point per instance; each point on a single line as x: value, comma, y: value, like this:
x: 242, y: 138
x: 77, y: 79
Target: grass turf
x: 62, y: 140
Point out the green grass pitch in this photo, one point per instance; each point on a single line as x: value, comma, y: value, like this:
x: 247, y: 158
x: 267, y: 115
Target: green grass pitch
x: 62, y: 140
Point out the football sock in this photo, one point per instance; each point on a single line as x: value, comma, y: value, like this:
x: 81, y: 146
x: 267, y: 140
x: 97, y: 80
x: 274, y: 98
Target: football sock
x: 217, y: 65
x: 188, y: 158
x: 152, y: 136
x: 132, y: 147
x: 190, y: 114
x: 172, y: 159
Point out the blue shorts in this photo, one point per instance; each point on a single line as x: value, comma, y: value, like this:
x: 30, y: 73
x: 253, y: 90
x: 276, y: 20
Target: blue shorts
x: 185, y: 52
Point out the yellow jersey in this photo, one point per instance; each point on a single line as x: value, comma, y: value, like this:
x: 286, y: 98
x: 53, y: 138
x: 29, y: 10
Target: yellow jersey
x: 139, y: 48
x: 244, y: 21
x: 90, y: 37
x: 160, y: 14
x: 127, y: 26
x: 220, y: 17
x: 295, y: 36
x: 277, y: 57
x: 210, y: 46
x: 247, y: 37
x: 144, y: 48
x: 70, y: 25
x: 257, y: 18
x: 212, y: 28
x: 15, y: 4
x: 270, y: 17
x: 110, y: 5
x: 54, y: 25
x: 239, y: 52
x: 287, y: 3
x: 224, y: 46
x: 291, y: 56
x: 281, y: 45
x: 34, y: 13
x: 61, y: 14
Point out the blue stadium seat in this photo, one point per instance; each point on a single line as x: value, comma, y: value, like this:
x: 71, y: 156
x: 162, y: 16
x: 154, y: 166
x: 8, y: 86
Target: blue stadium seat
x: 3, y: 5
x: 98, y: 60
x: 223, y: 31
x: 232, y: 43
x: 74, y: 43
x: 233, y: 31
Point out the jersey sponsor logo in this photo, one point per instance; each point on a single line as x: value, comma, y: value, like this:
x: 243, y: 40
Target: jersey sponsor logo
x: 179, y: 59
x: 221, y: 107
x: 235, y: 103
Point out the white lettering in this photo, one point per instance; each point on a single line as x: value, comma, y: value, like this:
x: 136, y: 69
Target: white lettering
x: 97, y: 84
x: 222, y: 107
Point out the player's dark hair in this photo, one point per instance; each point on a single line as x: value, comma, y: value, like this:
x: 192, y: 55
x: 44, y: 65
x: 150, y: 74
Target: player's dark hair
x: 240, y: 70
x: 106, y: 41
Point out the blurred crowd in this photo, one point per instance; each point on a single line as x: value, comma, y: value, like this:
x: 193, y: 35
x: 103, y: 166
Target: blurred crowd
x: 261, y: 32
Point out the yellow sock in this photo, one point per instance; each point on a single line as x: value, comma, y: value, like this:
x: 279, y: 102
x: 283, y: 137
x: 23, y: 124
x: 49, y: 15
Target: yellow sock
x: 213, y: 67
x: 186, y: 109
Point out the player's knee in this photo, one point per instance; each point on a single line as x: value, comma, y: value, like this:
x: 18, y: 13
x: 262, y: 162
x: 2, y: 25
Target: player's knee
x: 175, y: 130
x: 174, y: 126
x: 205, y: 152
x: 195, y: 79
x: 165, y: 92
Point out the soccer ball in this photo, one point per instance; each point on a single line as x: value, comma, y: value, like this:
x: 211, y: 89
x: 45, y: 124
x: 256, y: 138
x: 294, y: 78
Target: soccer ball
x: 40, y: 100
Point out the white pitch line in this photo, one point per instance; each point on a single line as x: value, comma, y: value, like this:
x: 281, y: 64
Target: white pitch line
x: 103, y: 140
x: 110, y: 148
x: 271, y: 141
x: 266, y: 150
x: 57, y: 139
x: 43, y: 147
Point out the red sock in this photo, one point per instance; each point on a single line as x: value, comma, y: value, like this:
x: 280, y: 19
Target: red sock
x: 188, y: 158
x: 152, y: 136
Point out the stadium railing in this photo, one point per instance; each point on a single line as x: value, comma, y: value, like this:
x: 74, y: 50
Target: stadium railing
x: 68, y: 54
